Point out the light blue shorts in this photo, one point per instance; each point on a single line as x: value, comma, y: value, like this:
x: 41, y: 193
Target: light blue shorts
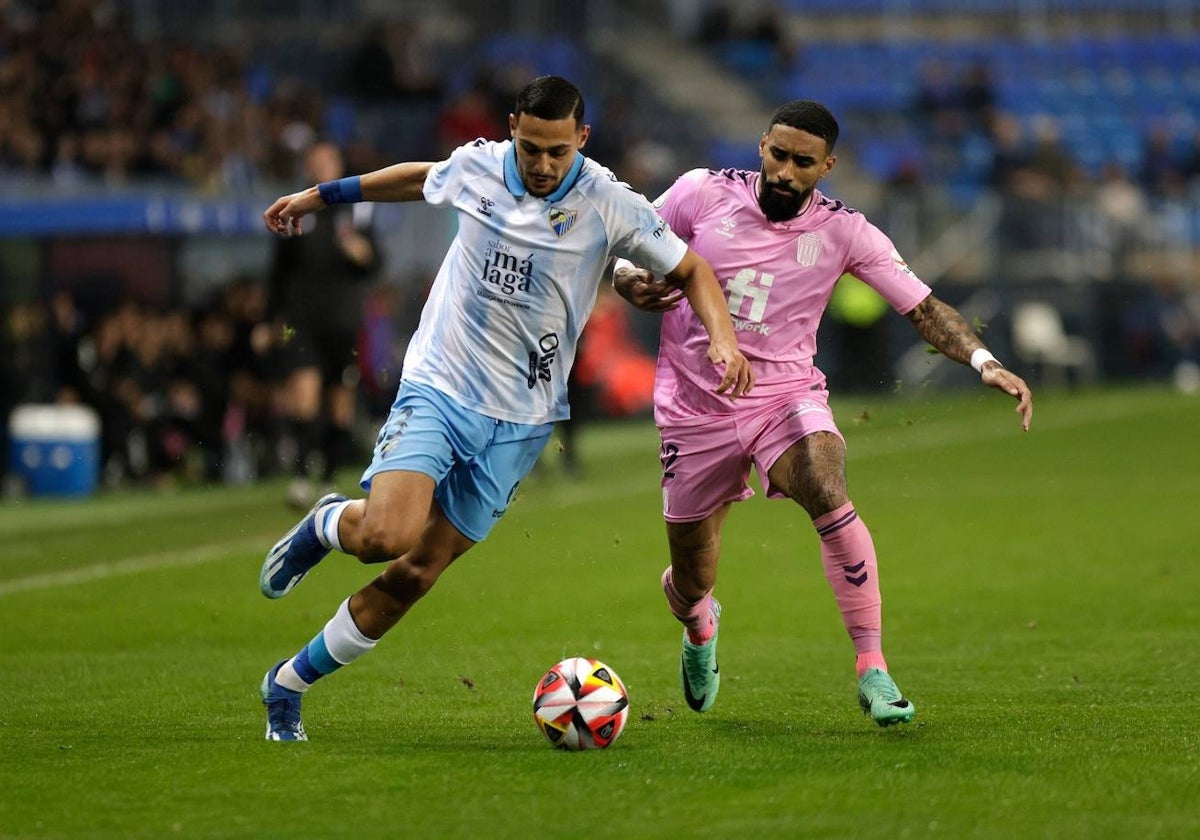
x: 477, y: 461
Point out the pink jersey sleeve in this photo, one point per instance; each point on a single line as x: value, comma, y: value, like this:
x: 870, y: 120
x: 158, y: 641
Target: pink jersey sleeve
x: 875, y: 261
x: 680, y: 204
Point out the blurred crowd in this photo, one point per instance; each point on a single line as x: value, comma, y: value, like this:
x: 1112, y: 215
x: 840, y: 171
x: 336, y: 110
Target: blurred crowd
x: 188, y: 394
x: 203, y: 393
x: 957, y: 104
x: 83, y: 102
x: 197, y: 390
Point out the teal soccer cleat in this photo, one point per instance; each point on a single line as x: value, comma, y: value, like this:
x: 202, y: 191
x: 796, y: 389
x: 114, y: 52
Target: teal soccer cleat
x: 698, y: 668
x: 881, y: 699
x: 290, y: 559
x: 283, y: 709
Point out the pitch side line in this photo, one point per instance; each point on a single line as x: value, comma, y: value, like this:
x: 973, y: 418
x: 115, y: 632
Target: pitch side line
x: 130, y: 566
x: 933, y: 436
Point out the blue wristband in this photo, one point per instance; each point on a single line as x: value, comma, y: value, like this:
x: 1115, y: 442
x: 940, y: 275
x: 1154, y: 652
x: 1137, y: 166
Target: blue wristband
x: 341, y: 191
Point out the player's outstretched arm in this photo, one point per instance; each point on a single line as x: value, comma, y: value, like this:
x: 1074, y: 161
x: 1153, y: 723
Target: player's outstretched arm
x: 944, y: 328
x: 645, y: 291
x: 695, y: 276
x: 398, y: 182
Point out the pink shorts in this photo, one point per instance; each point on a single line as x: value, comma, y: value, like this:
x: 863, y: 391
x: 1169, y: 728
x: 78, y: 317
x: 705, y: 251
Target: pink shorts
x: 708, y: 464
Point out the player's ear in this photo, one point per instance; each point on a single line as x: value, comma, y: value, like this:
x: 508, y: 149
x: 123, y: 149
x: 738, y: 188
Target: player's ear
x: 829, y: 162
x: 585, y: 132
x: 512, y: 125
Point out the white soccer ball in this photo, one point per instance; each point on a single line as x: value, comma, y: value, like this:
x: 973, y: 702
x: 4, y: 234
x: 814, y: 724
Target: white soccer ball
x: 580, y: 704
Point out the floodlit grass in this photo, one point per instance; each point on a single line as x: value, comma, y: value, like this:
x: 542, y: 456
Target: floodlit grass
x: 1041, y: 609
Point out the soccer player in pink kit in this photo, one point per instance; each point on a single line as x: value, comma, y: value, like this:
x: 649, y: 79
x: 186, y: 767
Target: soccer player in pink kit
x: 778, y: 247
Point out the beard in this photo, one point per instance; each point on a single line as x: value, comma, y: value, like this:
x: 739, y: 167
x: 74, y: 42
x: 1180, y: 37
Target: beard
x: 777, y: 206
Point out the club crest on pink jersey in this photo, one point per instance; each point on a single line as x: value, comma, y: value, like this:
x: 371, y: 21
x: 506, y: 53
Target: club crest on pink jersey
x: 808, y: 249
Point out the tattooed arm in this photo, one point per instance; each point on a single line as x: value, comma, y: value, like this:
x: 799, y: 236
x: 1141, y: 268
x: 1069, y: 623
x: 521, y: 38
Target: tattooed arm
x: 941, y: 325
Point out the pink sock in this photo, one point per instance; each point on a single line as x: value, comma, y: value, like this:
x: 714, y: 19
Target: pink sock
x: 869, y: 659
x: 848, y: 555
x: 695, y: 616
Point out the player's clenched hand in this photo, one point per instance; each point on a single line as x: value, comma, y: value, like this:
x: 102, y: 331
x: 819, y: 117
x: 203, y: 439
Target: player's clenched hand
x: 643, y: 290
x: 739, y: 376
x: 1013, y: 385
x: 283, y: 217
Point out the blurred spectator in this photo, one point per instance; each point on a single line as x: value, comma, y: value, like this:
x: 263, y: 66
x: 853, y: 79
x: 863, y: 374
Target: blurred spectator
x: 1123, y: 209
x: 769, y: 27
x: 648, y: 166
x: 756, y: 39
x: 317, y: 289
x: 938, y: 104
x: 1049, y: 158
x: 67, y: 328
x: 469, y: 115
x: 615, y: 375
x: 1161, y: 174
x: 716, y: 23
x: 393, y: 61
x: 1010, y: 153
x: 389, y: 320
x: 1033, y: 179
x: 1162, y: 332
x: 978, y: 97
x: 371, y: 74
x: 27, y: 354
x: 26, y: 370
x: 67, y: 171
x: 254, y: 415
x: 1190, y: 170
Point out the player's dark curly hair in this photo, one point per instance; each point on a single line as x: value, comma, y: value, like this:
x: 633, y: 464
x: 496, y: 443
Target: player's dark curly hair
x: 809, y: 116
x: 550, y: 98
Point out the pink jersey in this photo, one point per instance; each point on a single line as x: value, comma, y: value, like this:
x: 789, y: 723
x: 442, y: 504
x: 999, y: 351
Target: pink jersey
x: 777, y: 277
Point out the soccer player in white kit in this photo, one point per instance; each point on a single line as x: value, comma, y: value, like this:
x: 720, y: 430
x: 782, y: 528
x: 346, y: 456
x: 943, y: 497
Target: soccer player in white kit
x: 485, y: 376
x: 778, y: 247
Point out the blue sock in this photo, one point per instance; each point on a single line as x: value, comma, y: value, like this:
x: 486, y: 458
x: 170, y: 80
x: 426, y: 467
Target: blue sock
x: 338, y: 644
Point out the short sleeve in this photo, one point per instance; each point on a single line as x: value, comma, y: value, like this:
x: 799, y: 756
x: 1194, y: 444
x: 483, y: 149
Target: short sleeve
x: 639, y: 234
x: 877, y: 263
x: 681, y: 201
x: 445, y: 178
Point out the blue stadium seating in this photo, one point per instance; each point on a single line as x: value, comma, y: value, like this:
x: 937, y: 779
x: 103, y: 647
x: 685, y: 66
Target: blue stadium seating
x: 1106, y: 92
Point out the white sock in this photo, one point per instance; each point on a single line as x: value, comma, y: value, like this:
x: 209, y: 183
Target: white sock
x: 344, y: 641
x: 287, y: 677
x: 328, y: 519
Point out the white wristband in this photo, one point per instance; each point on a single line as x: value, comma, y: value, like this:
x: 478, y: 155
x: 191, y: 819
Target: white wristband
x: 621, y: 264
x: 980, y: 356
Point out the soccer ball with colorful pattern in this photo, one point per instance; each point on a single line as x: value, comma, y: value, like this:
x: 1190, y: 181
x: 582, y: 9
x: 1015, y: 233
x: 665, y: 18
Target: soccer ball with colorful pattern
x: 580, y: 704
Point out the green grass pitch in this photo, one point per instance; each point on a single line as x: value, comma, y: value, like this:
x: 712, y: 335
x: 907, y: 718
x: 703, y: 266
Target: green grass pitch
x: 1041, y: 601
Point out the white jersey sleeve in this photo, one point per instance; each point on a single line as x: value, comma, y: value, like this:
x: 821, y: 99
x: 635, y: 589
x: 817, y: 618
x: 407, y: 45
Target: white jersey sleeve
x: 635, y: 229
x: 445, y: 180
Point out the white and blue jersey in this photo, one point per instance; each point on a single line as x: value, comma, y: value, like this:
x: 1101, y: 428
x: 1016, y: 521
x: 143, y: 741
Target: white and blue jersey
x: 499, y: 331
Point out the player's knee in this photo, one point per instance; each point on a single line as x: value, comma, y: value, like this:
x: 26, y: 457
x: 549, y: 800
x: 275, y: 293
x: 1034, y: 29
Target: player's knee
x: 819, y: 504
x: 818, y: 492
x: 382, y: 542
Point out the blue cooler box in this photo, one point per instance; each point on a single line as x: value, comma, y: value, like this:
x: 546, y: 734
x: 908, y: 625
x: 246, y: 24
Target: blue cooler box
x: 55, y: 449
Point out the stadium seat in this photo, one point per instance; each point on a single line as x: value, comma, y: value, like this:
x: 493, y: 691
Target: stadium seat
x: 1040, y: 340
